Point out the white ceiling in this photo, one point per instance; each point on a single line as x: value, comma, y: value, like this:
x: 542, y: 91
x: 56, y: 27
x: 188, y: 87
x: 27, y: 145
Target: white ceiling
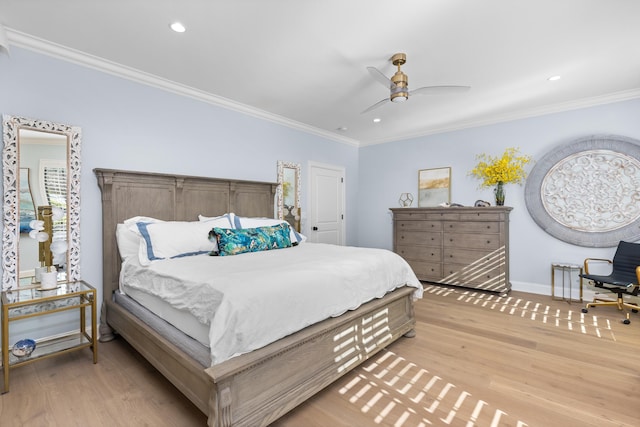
x: 303, y: 63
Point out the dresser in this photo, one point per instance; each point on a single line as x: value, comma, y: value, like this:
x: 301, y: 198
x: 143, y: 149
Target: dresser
x: 460, y: 246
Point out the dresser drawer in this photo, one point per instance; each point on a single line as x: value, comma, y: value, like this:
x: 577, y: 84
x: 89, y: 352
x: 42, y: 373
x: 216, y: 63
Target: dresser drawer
x: 420, y: 253
x: 472, y: 227
x: 465, y: 275
x: 426, y: 270
x: 403, y: 216
x: 476, y: 257
x: 482, y: 216
x: 424, y: 238
x: 419, y: 225
x: 471, y: 241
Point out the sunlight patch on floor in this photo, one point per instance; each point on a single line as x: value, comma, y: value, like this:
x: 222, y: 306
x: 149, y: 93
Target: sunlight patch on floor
x: 572, y: 319
x: 396, y: 392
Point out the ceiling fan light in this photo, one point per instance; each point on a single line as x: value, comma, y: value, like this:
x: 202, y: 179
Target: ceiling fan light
x: 399, y: 97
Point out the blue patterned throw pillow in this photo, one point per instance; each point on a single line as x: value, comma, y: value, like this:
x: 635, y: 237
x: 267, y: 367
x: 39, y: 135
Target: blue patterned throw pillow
x: 238, y: 241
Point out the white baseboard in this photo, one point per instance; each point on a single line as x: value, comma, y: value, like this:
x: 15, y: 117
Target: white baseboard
x: 533, y: 288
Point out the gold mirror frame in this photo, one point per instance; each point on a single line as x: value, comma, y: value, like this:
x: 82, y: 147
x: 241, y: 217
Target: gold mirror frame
x: 289, y: 188
x: 11, y: 126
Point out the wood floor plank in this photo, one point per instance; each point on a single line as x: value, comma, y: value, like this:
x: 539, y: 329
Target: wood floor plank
x: 477, y: 360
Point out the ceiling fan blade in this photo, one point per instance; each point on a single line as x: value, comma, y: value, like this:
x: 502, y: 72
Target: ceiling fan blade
x: 376, y: 105
x: 436, y: 90
x: 381, y: 78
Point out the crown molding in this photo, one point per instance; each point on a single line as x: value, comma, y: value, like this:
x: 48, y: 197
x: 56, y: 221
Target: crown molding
x: 23, y: 40
x: 519, y: 115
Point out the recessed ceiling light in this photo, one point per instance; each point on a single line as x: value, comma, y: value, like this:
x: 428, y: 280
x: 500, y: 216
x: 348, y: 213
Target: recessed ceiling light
x: 342, y: 129
x: 377, y: 120
x: 554, y: 78
x: 178, y: 27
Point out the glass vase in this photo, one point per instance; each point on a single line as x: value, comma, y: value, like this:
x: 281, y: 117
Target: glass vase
x: 499, y: 193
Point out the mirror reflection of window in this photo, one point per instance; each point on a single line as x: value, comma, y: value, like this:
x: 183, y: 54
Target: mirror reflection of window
x: 53, y: 184
x: 289, y: 193
x: 45, y: 155
x: 288, y: 187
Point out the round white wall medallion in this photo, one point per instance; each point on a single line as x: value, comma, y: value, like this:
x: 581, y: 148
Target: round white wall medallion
x: 588, y: 192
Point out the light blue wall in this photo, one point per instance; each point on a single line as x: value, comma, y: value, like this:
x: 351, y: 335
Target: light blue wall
x: 387, y: 170
x: 126, y: 125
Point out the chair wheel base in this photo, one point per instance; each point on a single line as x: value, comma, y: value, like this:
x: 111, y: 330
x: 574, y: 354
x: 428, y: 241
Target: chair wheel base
x: 584, y: 310
x: 626, y: 321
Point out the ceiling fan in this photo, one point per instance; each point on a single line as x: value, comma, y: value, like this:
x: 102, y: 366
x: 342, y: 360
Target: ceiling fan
x: 398, y: 84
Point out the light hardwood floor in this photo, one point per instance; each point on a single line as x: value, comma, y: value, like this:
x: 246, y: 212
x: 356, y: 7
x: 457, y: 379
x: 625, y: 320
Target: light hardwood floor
x: 477, y: 360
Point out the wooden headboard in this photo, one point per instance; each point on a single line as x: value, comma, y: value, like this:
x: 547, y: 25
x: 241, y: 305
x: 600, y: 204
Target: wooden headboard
x: 169, y: 197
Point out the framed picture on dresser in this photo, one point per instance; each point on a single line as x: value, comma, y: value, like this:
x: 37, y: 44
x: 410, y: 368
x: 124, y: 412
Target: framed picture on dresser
x: 434, y: 187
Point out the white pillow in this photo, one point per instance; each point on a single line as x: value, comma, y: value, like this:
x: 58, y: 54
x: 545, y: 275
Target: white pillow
x: 128, y: 241
x: 246, y: 222
x: 172, y: 239
x: 233, y: 219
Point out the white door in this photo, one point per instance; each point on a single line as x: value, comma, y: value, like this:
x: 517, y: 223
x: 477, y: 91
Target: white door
x: 326, y: 219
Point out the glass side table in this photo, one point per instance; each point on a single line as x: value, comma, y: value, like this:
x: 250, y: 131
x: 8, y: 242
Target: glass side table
x: 568, y: 272
x: 30, y: 301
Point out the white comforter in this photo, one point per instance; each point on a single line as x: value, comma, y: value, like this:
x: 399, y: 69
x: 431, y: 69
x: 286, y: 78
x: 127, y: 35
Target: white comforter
x: 253, y: 299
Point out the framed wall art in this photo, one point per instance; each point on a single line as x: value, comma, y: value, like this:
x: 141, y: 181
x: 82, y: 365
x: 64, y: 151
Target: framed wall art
x: 434, y: 186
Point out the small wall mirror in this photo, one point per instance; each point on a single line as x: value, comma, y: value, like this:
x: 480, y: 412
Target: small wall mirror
x: 289, y: 193
x: 41, y: 178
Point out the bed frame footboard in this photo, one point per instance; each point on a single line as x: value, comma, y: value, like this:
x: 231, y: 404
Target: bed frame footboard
x: 257, y: 388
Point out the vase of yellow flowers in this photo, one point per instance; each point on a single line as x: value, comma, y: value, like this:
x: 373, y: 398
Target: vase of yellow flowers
x: 498, y: 171
x: 499, y: 193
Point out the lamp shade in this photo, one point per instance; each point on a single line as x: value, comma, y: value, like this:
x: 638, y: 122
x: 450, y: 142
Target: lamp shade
x: 57, y: 213
x: 36, y: 224
x: 59, y: 247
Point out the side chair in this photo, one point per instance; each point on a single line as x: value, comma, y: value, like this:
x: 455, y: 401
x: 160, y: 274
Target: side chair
x: 624, y: 278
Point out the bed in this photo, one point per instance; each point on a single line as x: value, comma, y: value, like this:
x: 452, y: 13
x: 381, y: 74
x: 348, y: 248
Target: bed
x: 251, y: 388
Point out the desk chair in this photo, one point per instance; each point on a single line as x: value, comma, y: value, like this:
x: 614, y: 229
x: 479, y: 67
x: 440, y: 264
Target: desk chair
x: 624, y: 278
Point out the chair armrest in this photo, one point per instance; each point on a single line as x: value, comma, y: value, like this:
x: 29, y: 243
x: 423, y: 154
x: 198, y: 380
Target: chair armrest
x: 587, y: 260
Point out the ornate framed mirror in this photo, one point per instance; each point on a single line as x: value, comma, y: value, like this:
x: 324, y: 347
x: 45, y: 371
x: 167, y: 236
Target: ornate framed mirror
x: 47, y: 155
x: 289, y: 193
